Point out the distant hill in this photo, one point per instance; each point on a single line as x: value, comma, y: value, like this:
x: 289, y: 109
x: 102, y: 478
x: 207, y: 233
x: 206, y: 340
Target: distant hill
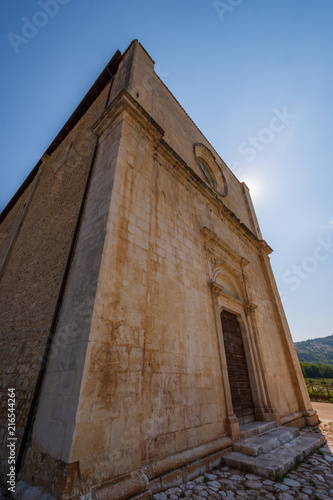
x: 316, y: 350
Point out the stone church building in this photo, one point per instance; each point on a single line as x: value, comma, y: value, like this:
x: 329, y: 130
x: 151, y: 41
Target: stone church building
x: 141, y: 326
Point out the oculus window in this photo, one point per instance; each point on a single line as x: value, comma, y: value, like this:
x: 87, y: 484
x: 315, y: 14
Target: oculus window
x: 212, y: 171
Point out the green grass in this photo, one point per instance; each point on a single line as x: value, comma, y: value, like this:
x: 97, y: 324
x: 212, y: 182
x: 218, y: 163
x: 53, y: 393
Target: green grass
x: 279, y: 478
x: 319, y: 381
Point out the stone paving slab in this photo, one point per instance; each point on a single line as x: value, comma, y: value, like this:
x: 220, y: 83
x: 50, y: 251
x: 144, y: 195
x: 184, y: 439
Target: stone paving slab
x: 254, y: 428
x: 311, y: 480
x: 263, y: 443
x: 280, y: 459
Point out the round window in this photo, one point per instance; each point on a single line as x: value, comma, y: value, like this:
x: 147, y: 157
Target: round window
x: 211, y: 170
x: 206, y: 173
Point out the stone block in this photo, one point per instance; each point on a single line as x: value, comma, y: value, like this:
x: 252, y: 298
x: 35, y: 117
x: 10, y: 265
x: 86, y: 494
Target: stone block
x: 155, y: 485
x: 195, y: 469
x: 172, y: 479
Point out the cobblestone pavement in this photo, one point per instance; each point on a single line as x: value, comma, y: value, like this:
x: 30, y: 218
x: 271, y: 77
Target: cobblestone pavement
x: 312, y: 479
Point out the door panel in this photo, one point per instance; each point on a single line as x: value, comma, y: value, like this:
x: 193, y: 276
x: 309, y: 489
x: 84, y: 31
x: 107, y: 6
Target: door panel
x: 240, y: 387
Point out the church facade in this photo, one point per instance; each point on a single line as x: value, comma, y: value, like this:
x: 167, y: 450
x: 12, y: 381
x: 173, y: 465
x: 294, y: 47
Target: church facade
x: 141, y: 323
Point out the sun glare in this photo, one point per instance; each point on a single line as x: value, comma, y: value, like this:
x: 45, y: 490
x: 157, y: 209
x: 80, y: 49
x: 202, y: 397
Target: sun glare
x: 255, y: 188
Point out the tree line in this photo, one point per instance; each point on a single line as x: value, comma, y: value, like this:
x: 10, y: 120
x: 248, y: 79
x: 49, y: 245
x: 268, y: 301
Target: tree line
x: 317, y: 371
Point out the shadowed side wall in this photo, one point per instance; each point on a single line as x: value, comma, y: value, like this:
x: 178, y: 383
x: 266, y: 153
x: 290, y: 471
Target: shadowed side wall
x: 56, y: 417
x: 36, y: 257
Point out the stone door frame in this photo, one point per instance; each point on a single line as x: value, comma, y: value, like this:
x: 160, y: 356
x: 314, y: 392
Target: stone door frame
x: 263, y: 408
x: 223, y: 260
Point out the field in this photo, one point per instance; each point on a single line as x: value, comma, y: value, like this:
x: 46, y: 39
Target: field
x: 319, y: 381
x: 320, y: 389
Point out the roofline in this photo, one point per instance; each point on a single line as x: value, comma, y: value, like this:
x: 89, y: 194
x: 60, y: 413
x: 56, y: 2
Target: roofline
x: 94, y: 91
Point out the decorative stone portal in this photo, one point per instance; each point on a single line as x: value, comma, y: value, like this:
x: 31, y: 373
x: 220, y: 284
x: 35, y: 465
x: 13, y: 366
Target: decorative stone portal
x: 240, y: 387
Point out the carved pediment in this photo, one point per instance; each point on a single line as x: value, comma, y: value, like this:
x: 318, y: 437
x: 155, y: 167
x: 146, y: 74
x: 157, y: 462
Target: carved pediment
x: 218, y: 246
x: 226, y: 266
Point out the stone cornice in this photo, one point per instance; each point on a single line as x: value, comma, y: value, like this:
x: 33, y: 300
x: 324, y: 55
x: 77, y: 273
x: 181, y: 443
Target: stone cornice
x: 265, y: 247
x: 181, y: 166
x: 125, y: 103
x: 218, y: 290
x: 213, y: 240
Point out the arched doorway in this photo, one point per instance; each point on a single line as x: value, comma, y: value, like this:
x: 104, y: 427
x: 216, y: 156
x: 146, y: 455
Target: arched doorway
x: 240, y: 388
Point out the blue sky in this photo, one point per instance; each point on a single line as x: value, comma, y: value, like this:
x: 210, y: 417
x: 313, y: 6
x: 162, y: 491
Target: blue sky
x: 256, y: 76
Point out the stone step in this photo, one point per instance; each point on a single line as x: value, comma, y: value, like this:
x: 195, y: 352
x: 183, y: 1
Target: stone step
x: 254, y: 428
x: 247, y: 419
x: 277, y: 461
x: 263, y: 443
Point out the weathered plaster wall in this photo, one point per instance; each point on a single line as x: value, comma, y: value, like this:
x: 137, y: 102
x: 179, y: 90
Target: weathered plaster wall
x: 31, y: 277
x: 152, y: 382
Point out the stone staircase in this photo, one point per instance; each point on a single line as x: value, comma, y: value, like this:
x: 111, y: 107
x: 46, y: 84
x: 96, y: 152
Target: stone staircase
x: 268, y: 450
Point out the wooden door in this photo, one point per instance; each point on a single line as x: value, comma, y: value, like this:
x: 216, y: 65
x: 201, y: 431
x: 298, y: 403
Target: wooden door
x: 240, y: 387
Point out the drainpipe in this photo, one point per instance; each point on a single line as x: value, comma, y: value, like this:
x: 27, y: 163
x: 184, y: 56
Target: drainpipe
x: 50, y: 337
